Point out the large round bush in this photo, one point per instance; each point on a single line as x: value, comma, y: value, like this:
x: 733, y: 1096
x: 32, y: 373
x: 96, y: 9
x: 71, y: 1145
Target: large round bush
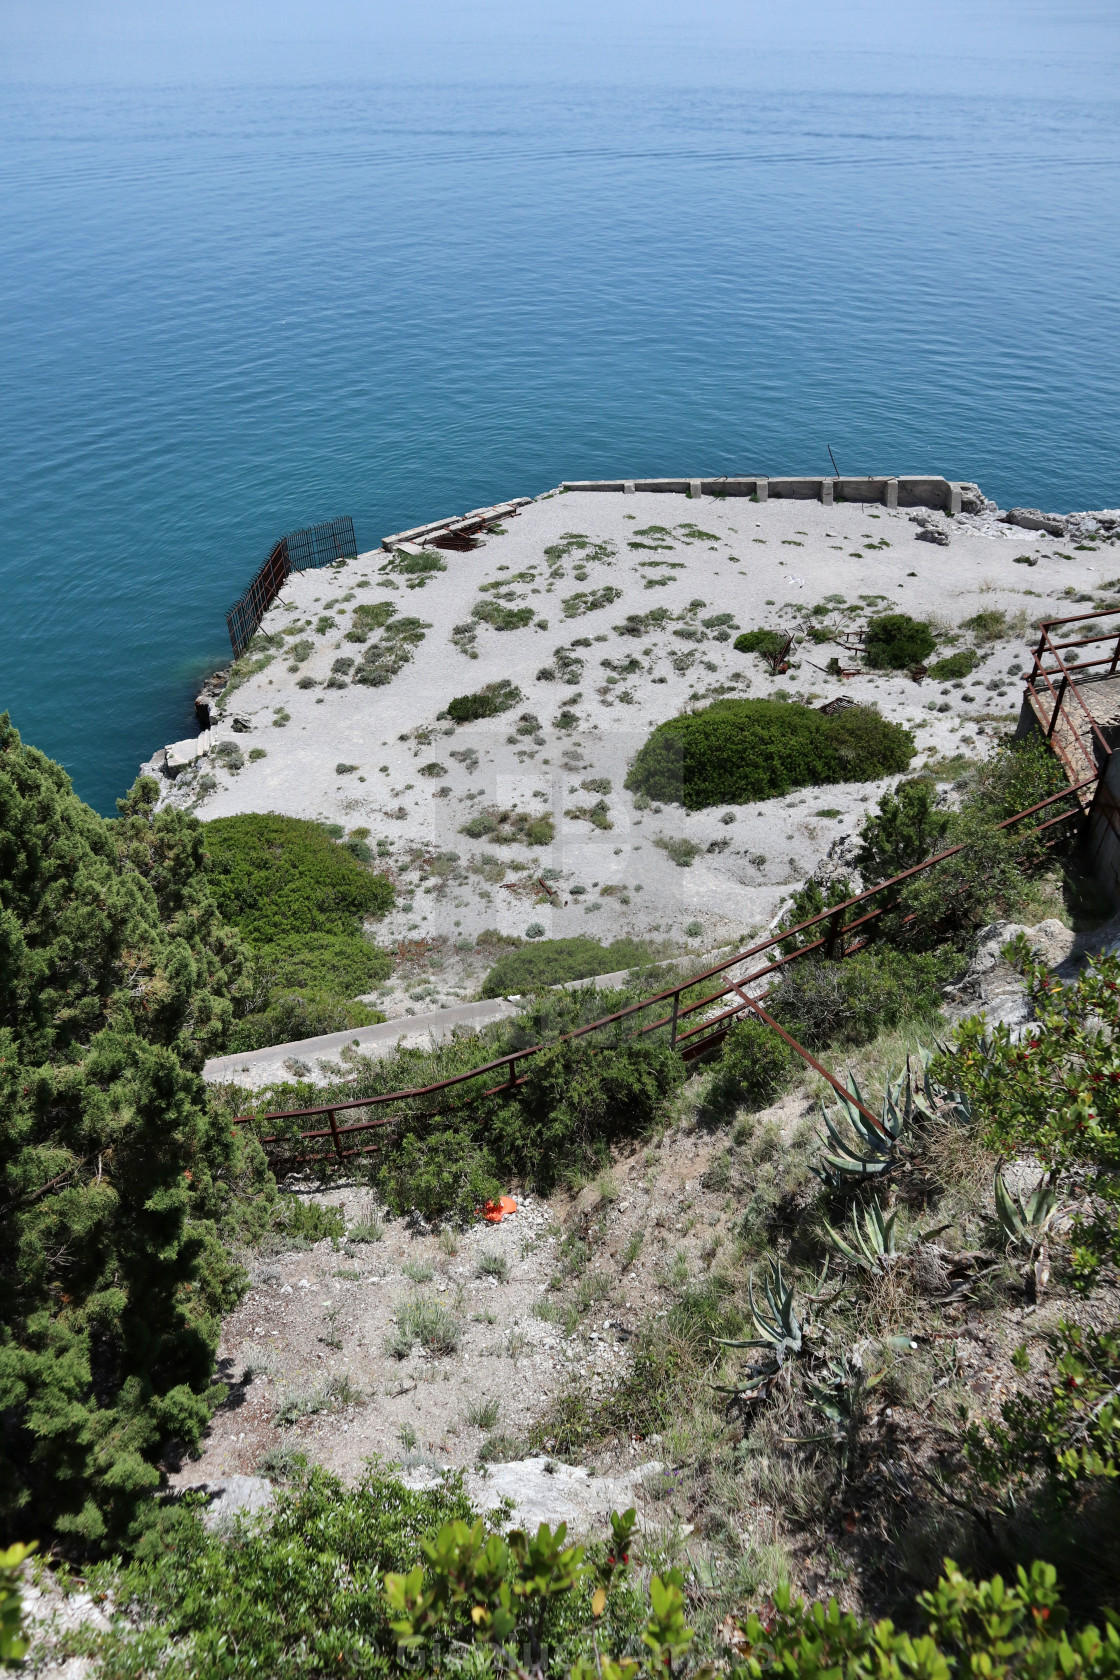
x: 895, y: 642
x: 735, y: 751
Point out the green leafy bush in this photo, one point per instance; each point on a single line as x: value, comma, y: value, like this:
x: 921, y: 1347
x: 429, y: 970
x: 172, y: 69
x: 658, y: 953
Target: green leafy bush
x: 507, y: 828
x: 117, y: 980
x: 500, y: 617
x: 895, y: 641
x: 907, y: 828
x: 384, y: 658
x: 299, y: 898
x: 760, y: 641
x: 988, y: 625
x: 552, y: 961
x: 1054, y: 1092
x: 443, y: 1174
x: 839, y: 1004
x: 486, y: 702
x: 578, y: 1098
x: 753, y: 1069
x: 954, y: 665
x: 738, y: 750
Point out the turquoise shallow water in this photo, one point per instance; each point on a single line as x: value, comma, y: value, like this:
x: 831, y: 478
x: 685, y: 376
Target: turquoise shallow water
x: 235, y: 306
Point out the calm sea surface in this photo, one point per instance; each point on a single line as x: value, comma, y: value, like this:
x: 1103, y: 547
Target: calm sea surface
x: 240, y: 295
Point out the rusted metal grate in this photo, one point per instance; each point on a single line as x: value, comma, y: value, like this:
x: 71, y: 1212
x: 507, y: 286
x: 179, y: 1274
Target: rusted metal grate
x: 299, y: 551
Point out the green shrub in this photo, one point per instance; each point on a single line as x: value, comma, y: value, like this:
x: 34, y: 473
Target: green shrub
x: 760, y: 641
x: 739, y: 750
x: 507, y: 828
x: 443, y: 1174
x: 502, y: 618
x: 115, y: 984
x: 486, y: 702
x: 553, y: 961
x: 577, y: 1099
x: 988, y: 625
x: 808, y: 901
x: 947, y: 906
x: 299, y: 897
x: 273, y: 877
x: 295, y: 1015
x: 839, y: 1004
x: 895, y: 641
x: 955, y: 665
x: 753, y: 1069
x: 907, y: 828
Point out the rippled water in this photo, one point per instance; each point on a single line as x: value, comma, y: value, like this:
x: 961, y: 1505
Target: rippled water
x: 231, y: 309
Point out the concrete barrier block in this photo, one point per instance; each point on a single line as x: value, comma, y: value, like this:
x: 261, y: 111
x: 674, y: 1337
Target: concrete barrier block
x: 954, y: 498
x: 762, y: 489
x: 890, y: 493
x: 628, y: 487
x: 694, y: 489
x: 826, y: 492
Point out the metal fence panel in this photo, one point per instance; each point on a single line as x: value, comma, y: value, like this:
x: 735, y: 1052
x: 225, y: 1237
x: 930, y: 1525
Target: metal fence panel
x: 299, y: 551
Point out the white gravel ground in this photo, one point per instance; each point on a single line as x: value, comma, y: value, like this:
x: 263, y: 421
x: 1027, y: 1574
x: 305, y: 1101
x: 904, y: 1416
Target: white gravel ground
x: 766, y: 564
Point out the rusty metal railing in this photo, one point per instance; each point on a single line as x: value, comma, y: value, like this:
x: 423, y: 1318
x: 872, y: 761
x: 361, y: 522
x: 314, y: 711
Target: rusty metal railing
x: 672, y: 1009
x: 1069, y: 719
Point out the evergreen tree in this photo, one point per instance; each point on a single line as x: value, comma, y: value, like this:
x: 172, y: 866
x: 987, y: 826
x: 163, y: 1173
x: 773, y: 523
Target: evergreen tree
x: 116, y: 981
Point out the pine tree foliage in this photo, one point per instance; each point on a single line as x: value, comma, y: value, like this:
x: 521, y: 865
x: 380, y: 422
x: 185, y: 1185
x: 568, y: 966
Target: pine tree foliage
x: 116, y: 981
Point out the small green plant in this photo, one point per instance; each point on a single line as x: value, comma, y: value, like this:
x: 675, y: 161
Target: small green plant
x: 872, y: 1245
x: 989, y: 625
x: 867, y: 1149
x: 282, y: 1463
x: 632, y: 1250
x: 1025, y: 1220
x: 488, y: 701
x: 407, y: 1437
x: 428, y: 1322
x: 306, y: 1400
x: 680, y: 850
x: 417, y: 1271
x: 491, y: 1265
x: 955, y: 665
x: 483, y: 1414
x: 779, y: 1329
x: 366, y: 1231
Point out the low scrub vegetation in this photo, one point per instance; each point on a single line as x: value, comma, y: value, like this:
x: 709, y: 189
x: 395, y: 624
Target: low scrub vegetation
x: 550, y: 962
x: 734, y: 751
x: 299, y: 896
x: 485, y: 702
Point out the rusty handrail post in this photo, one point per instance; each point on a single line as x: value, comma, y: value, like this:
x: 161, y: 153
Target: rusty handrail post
x: 834, y: 946
x: 1058, y: 700
x: 334, y: 1134
x: 511, y: 1080
x: 676, y: 1012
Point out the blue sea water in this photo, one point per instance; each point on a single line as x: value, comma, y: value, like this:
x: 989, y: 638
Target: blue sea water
x: 265, y: 265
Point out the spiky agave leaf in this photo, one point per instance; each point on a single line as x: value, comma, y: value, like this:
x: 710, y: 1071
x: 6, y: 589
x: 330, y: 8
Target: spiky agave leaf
x: 1024, y: 1221
x: 873, y: 1243
x: 777, y: 1323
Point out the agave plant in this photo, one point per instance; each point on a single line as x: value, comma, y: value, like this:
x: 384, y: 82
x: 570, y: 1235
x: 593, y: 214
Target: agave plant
x: 939, y: 1102
x: 1025, y: 1221
x: 779, y: 1328
x: 840, y: 1396
x: 873, y: 1244
x: 871, y: 1149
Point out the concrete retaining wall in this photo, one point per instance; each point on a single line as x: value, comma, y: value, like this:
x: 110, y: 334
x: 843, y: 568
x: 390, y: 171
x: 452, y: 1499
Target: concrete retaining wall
x: 910, y: 490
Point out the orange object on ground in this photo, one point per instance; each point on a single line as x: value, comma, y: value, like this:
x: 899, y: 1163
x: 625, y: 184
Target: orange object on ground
x: 495, y: 1212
